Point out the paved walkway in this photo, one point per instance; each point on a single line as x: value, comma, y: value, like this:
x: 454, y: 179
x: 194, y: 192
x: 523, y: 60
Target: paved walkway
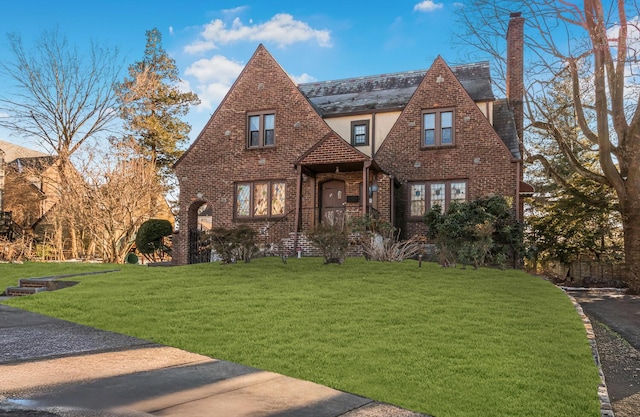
x: 50, y: 367
x: 619, y: 312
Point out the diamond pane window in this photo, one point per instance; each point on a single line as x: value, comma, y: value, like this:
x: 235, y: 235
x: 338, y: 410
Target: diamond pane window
x: 277, y: 198
x: 261, y: 199
x: 437, y: 196
x: 459, y: 191
x: 243, y: 199
x: 418, y: 197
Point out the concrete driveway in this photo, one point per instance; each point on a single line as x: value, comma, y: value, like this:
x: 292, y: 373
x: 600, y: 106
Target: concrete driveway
x: 50, y: 367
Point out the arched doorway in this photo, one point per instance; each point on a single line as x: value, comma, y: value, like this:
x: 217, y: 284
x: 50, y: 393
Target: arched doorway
x: 199, y: 250
x: 332, y: 202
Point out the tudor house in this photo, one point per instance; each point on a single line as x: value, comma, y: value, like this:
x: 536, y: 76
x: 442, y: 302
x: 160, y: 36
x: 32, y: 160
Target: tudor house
x: 283, y: 157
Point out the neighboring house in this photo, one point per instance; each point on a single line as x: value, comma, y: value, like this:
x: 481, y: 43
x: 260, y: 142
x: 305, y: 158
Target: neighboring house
x: 30, y: 184
x: 282, y: 157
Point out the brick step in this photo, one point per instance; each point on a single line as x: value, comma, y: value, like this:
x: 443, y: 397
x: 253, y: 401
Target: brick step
x: 20, y: 291
x: 33, y: 283
x: 28, y: 286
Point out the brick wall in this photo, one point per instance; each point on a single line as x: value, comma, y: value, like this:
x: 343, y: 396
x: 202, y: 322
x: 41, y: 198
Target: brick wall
x: 219, y: 156
x: 479, y: 156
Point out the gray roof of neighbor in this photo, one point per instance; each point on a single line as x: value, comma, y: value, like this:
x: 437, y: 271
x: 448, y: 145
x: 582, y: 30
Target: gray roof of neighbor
x: 389, y: 91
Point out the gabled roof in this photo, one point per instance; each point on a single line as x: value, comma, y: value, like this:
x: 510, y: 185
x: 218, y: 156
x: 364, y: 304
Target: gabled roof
x: 389, y: 91
x: 331, y: 152
x: 13, y: 151
x: 33, y: 164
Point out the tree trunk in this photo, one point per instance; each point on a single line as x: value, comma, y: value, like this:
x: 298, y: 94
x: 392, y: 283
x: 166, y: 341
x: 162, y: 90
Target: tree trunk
x: 631, y: 225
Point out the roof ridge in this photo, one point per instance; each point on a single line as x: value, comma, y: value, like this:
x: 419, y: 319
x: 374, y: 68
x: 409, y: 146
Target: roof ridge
x: 391, y: 74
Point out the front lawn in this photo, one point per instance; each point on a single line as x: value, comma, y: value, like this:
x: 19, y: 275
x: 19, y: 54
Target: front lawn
x: 447, y: 342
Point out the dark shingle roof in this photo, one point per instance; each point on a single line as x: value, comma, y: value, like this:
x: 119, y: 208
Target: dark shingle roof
x: 37, y: 164
x: 388, y: 91
x: 505, y: 126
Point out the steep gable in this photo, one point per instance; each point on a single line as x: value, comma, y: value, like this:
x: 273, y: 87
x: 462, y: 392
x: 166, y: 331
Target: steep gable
x: 261, y: 86
x: 331, y: 152
x: 402, y: 151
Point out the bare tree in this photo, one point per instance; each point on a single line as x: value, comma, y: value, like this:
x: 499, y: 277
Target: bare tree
x: 59, y: 96
x: 594, y: 45
x: 114, y: 198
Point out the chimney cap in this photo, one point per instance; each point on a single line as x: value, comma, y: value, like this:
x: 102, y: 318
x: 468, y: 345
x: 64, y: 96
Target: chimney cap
x: 515, y: 14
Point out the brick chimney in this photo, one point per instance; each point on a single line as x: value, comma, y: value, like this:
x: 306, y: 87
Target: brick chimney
x: 515, y: 71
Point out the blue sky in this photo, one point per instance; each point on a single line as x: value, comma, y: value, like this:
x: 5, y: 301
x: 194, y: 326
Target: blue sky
x: 212, y: 40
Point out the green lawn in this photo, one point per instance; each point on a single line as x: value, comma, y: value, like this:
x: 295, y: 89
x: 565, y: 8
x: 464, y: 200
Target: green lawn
x: 446, y: 342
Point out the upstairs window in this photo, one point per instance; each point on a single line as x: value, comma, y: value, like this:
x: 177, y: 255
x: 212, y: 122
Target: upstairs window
x: 360, y: 133
x: 261, y: 130
x: 437, y: 128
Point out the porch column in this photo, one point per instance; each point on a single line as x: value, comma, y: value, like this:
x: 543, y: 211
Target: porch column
x: 365, y: 185
x: 298, y: 207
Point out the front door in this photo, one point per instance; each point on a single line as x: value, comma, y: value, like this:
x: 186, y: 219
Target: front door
x: 332, y: 204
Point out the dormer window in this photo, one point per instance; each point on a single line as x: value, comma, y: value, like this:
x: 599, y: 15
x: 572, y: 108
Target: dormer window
x: 437, y: 128
x: 360, y: 133
x: 261, y: 130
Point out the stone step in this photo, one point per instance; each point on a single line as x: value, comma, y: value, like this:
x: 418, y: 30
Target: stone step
x: 20, y: 291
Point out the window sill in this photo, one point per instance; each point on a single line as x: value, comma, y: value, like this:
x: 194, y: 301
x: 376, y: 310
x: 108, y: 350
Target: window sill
x: 258, y: 218
x: 260, y: 147
x: 427, y: 148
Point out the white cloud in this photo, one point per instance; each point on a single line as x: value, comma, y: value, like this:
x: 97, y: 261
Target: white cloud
x: 170, y: 30
x: 214, y: 77
x: 282, y: 30
x: 304, y: 78
x: 427, y: 6
x: 235, y: 10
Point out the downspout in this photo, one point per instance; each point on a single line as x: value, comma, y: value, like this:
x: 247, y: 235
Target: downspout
x: 518, y: 169
x: 298, y: 207
x: 392, y: 200
x: 373, y: 134
x: 1, y: 184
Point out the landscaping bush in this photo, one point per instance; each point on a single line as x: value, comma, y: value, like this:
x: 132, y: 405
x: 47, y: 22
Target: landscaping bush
x: 332, y: 240
x: 17, y: 250
x: 234, y: 243
x: 150, y: 239
x: 476, y: 233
